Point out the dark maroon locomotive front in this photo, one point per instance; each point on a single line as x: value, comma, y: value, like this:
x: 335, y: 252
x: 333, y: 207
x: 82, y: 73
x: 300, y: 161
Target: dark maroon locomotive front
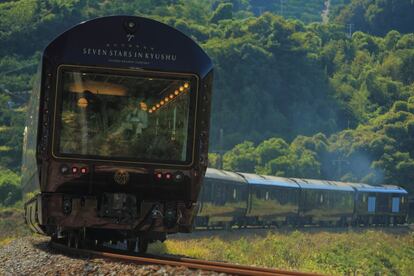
x: 117, y: 133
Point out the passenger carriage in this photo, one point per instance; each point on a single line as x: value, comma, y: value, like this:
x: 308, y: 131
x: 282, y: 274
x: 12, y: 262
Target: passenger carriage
x: 384, y: 204
x: 223, y: 199
x: 324, y: 202
x: 272, y: 200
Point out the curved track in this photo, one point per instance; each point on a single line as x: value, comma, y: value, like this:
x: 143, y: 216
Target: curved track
x: 180, y: 261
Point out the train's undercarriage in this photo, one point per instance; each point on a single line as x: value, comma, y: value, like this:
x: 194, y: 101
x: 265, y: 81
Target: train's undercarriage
x: 297, y: 221
x: 83, y: 221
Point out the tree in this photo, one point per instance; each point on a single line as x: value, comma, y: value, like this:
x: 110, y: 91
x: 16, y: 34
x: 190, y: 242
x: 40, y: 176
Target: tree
x: 241, y: 158
x: 10, y: 191
x: 223, y: 11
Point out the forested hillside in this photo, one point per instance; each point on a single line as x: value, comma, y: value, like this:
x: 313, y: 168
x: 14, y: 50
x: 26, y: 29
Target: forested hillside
x: 377, y: 17
x: 312, y: 101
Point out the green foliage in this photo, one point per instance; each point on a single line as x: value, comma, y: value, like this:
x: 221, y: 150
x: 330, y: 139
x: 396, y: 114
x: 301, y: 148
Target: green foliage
x: 10, y: 191
x: 214, y: 160
x: 241, y: 158
x: 337, y: 107
x: 379, y: 152
x: 332, y: 252
x: 223, y: 11
x: 12, y: 223
x: 306, y: 11
x: 378, y: 16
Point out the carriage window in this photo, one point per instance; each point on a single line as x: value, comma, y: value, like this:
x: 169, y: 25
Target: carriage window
x: 126, y: 117
x: 267, y: 196
x: 234, y: 194
x: 371, y: 204
x: 395, y: 208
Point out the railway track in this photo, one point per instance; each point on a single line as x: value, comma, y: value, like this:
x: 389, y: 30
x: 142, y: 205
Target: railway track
x: 148, y: 259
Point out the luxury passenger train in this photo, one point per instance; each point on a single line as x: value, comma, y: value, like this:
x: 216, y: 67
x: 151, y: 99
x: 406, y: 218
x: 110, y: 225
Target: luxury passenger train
x: 242, y: 199
x: 116, y: 141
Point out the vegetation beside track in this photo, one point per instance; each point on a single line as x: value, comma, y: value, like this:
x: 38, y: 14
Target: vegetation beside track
x: 333, y: 251
x: 12, y: 224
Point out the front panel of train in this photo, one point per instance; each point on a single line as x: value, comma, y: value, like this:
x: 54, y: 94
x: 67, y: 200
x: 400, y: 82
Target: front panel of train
x: 123, y: 129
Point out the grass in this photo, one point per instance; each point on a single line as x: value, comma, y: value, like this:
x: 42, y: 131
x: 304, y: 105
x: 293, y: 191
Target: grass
x: 336, y: 252
x: 12, y: 224
x: 386, y: 251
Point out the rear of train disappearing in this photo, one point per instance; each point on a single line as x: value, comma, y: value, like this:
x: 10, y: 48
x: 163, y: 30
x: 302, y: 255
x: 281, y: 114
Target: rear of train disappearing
x: 242, y: 199
x: 116, y: 140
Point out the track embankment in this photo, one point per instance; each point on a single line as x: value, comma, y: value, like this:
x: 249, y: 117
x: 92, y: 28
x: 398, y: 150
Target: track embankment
x: 33, y: 256
x: 36, y: 255
x: 206, y: 266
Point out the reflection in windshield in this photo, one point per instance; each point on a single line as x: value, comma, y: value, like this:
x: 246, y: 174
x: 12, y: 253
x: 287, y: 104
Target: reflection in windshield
x: 125, y: 117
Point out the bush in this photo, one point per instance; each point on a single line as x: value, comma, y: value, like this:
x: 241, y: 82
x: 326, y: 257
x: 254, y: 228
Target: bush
x: 10, y: 191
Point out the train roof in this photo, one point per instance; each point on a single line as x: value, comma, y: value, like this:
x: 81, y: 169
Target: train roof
x: 256, y: 179
x: 223, y: 175
x: 361, y: 187
x: 129, y: 42
x: 322, y: 185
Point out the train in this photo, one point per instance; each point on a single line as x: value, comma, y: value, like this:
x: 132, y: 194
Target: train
x: 230, y: 199
x: 116, y: 139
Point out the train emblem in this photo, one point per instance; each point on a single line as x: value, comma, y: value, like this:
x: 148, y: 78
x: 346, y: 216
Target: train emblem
x: 121, y: 177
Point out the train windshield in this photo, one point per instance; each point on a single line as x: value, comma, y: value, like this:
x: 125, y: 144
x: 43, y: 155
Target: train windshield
x: 123, y: 117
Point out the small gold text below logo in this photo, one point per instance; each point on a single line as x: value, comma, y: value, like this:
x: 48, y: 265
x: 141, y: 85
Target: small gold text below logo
x: 121, y: 177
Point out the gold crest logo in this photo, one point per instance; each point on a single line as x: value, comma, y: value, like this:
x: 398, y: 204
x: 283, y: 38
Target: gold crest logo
x: 121, y: 177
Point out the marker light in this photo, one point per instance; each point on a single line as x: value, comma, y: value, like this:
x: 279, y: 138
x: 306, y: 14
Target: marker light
x: 158, y: 176
x: 75, y: 170
x: 178, y: 176
x: 64, y: 169
x: 84, y: 170
x: 168, y: 176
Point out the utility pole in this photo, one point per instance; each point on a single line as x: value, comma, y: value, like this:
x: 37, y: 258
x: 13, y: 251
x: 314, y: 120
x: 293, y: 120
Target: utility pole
x: 282, y: 2
x: 340, y: 161
x: 350, y: 25
x: 221, y: 151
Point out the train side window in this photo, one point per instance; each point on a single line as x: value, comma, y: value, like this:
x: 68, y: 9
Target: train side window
x: 267, y: 195
x: 395, y: 205
x: 234, y: 193
x: 321, y: 198
x: 371, y: 203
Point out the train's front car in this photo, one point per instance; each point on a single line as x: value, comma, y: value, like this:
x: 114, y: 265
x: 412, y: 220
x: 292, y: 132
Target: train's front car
x: 122, y: 119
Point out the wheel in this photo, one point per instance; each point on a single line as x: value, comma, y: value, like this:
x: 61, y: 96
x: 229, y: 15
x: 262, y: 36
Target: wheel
x: 142, y: 245
x: 70, y: 239
x: 131, y: 244
x: 76, y: 240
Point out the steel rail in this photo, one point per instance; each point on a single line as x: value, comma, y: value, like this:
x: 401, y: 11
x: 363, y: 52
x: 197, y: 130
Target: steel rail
x: 182, y: 261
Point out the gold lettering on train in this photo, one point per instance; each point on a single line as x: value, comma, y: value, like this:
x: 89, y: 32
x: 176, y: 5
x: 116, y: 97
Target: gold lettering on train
x: 138, y: 54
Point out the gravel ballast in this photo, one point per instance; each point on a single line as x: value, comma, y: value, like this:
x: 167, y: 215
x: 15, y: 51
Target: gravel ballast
x: 33, y: 256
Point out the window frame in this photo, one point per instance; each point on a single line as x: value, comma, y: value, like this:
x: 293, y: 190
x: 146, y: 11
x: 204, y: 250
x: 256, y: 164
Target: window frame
x: 192, y: 118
